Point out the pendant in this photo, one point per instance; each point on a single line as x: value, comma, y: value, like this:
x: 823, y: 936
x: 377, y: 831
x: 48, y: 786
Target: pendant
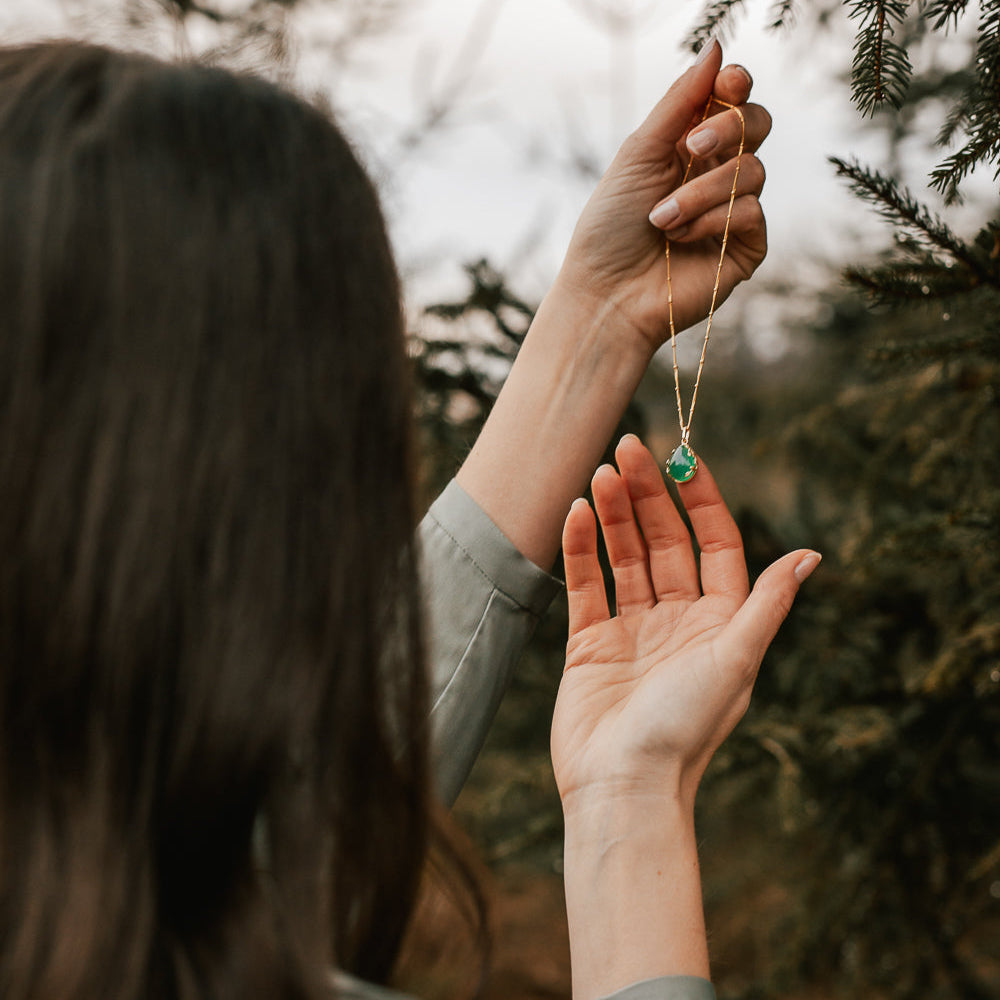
x: 683, y: 464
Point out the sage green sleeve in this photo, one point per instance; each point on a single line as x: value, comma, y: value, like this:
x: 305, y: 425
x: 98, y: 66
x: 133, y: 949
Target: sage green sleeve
x: 667, y: 988
x: 483, y: 600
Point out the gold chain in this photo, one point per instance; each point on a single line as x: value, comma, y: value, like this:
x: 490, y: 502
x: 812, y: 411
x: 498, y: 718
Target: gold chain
x: 686, y: 425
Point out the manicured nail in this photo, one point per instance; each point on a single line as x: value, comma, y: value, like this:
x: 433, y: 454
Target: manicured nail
x: 664, y: 214
x: 702, y: 142
x: 807, y: 565
x: 745, y: 72
x: 577, y: 502
x: 628, y: 437
x: 705, y: 51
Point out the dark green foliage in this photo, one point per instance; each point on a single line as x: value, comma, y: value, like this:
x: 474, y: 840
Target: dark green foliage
x: 977, y: 112
x: 460, y: 363
x: 782, y: 14
x: 880, y: 705
x: 462, y: 352
x: 881, y: 69
x: 715, y: 21
x: 874, y: 740
x: 944, y: 14
x: 929, y: 260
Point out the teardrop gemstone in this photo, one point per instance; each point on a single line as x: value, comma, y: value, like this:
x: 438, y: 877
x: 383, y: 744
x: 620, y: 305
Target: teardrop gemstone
x: 683, y: 464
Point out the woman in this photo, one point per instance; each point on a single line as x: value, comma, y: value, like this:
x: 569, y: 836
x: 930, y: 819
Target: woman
x: 214, y: 772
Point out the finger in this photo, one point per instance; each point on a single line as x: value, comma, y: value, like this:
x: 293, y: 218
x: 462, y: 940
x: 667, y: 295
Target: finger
x: 723, y: 129
x: 626, y: 549
x: 673, y: 571
x: 733, y: 84
x: 683, y: 103
x: 588, y: 602
x: 712, y: 189
x: 747, y: 217
x: 723, y: 567
x: 753, y: 628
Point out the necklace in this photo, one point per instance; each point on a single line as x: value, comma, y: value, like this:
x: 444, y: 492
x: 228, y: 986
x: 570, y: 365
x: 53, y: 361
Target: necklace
x: 683, y: 464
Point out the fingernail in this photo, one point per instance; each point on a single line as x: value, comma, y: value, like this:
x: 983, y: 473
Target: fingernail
x: 576, y: 503
x: 806, y: 565
x: 745, y: 72
x: 664, y: 214
x: 705, y: 50
x: 703, y: 142
x: 676, y: 234
x: 628, y: 437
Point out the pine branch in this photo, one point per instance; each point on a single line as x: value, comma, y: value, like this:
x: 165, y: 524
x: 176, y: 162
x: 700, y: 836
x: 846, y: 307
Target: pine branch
x: 945, y: 13
x: 782, y: 14
x: 984, y: 146
x: 881, y: 69
x: 977, y: 112
x: 955, y: 121
x: 935, y: 349
x: 897, y: 205
x: 895, y: 283
x: 715, y: 21
x: 435, y: 350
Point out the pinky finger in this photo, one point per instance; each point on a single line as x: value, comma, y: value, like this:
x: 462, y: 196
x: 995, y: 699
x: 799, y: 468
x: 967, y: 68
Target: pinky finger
x: 588, y: 599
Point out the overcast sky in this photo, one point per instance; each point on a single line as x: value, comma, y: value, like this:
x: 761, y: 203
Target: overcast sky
x: 541, y: 88
x: 551, y: 87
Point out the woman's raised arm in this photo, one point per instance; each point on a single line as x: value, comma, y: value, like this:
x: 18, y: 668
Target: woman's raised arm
x: 606, y: 314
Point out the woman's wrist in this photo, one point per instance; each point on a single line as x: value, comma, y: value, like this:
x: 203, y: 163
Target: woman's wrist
x: 603, y: 324
x: 633, y: 891
x: 579, y: 366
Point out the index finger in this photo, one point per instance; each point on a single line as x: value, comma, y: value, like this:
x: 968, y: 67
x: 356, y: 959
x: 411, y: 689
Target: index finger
x: 723, y: 566
x: 684, y: 102
x: 588, y: 600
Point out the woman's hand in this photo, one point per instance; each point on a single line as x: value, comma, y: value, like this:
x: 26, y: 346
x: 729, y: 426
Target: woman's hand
x: 617, y: 255
x: 648, y: 695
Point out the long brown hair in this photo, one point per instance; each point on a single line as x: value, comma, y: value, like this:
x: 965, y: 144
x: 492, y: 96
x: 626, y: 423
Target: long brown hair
x: 212, y: 707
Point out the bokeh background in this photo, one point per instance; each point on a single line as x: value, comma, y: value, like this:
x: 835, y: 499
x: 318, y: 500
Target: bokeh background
x: 850, y: 835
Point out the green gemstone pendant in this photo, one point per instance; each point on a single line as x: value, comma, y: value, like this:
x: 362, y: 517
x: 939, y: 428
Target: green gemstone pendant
x: 683, y: 464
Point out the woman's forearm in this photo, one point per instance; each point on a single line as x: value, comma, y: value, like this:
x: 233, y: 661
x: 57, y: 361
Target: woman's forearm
x: 633, y: 893
x: 578, y: 368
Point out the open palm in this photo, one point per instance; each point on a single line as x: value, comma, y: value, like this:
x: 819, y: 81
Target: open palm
x: 649, y: 694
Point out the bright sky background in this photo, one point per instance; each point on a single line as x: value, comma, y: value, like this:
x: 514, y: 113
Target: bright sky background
x: 550, y: 85
x: 540, y: 86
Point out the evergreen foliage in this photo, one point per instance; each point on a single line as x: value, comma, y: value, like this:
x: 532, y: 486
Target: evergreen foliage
x: 881, y: 69
x: 876, y: 726
x: 977, y: 112
x: 929, y: 261
x: 462, y: 352
x: 717, y: 18
x: 877, y: 716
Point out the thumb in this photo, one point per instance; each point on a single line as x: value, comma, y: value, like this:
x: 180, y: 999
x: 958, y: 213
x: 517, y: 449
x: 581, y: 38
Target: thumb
x: 754, y: 626
x: 685, y: 100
